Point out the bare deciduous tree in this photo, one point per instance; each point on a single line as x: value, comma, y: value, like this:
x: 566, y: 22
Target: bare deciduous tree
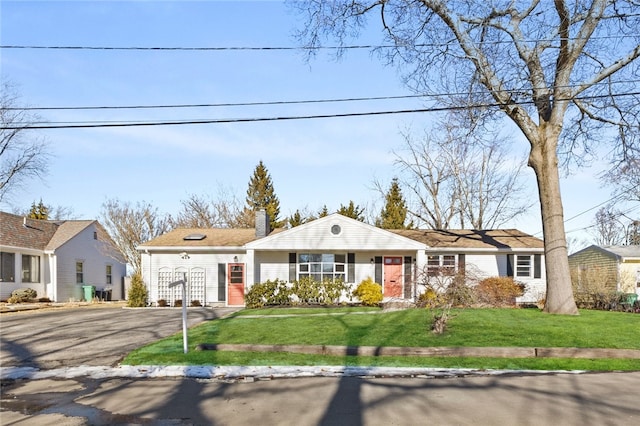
x: 458, y: 179
x: 23, y: 154
x: 131, y: 225
x: 608, y: 231
x: 562, y: 71
x: 222, y: 211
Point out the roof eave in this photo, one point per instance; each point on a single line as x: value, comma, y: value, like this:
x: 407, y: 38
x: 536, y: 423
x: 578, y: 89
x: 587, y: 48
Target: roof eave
x: 192, y: 249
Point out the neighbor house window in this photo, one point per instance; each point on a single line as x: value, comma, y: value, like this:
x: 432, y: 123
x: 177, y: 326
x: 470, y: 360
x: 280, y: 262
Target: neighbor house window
x: 108, y: 274
x: 79, y: 273
x: 523, y: 266
x: 7, y: 267
x: 30, y: 269
x: 321, y: 266
x: 441, y: 264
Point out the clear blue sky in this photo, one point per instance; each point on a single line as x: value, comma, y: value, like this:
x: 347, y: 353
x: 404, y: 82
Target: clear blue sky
x: 312, y: 162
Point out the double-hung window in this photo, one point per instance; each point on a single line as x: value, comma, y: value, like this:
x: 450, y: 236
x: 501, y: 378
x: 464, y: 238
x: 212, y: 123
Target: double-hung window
x: 30, y: 269
x: 108, y: 273
x: 7, y: 267
x: 321, y: 266
x: 523, y: 265
x: 79, y: 272
x: 441, y: 264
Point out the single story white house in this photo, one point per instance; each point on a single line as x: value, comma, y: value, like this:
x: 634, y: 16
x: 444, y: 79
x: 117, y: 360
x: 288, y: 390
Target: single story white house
x: 617, y: 267
x: 58, y: 258
x: 222, y: 264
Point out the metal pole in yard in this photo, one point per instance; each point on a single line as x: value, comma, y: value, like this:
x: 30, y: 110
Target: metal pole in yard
x: 184, y: 314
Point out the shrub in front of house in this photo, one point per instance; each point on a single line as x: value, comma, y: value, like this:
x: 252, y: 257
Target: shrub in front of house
x: 22, y: 295
x: 268, y: 293
x: 195, y: 303
x: 162, y: 303
x: 307, y: 291
x: 368, y: 292
x: 594, y: 288
x: 459, y: 292
x: 138, y: 295
x: 498, y: 291
x: 430, y: 298
x: 332, y: 290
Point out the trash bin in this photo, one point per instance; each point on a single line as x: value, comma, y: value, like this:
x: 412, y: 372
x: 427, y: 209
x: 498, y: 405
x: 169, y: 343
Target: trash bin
x: 100, y: 294
x: 107, y: 294
x: 89, y: 292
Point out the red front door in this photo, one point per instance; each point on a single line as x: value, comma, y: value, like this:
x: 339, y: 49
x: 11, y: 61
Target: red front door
x: 392, y: 276
x: 236, y: 284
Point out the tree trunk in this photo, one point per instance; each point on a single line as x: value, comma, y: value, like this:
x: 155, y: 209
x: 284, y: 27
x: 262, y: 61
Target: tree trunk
x: 544, y: 161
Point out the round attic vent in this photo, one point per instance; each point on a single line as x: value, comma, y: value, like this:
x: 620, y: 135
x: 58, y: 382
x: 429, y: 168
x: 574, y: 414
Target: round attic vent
x: 335, y: 229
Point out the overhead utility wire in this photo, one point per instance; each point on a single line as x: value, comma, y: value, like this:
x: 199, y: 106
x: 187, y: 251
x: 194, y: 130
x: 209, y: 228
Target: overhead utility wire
x: 614, y: 198
x: 293, y: 102
x: 228, y: 104
x: 285, y: 48
x: 282, y: 118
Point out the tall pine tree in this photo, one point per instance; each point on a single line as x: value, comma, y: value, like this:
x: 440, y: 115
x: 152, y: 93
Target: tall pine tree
x: 261, y: 195
x: 394, y: 213
x: 353, y: 211
x: 39, y: 211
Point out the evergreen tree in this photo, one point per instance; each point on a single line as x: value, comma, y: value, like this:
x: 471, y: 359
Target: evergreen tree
x: 353, y: 211
x: 138, y: 295
x: 394, y: 213
x: 39, y: 211
x: 296, y: 219
x: 324, y: 211
x: 261, y: 195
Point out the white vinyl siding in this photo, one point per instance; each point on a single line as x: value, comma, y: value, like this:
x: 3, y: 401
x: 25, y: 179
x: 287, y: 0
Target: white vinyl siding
x: 94, y: 259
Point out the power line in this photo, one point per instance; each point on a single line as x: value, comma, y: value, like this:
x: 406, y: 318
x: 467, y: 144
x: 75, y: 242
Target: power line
x: 66, y: 125
x: 291, y: 102
x: 614, y: 198
x: 290, y: 48
x: 226, y: 104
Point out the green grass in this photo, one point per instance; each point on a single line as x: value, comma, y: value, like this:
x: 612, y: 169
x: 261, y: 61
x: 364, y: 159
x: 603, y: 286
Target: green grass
x: 468, y: 327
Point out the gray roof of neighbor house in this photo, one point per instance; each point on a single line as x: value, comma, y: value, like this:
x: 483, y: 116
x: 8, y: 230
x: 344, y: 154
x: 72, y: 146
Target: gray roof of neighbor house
x: 67, y: 230
x: 621, y: 252
x: 18, y: 231
x: 473, y: 238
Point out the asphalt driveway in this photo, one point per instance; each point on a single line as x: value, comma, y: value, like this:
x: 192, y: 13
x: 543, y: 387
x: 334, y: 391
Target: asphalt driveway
x: 98, y: 336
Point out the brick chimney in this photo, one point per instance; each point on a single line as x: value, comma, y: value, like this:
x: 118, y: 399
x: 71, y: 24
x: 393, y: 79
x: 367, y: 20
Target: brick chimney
x: 263, y: 225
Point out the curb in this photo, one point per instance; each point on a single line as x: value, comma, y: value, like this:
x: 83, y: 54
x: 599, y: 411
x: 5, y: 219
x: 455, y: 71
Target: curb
x: 473, y: 352
x: 249, y: 373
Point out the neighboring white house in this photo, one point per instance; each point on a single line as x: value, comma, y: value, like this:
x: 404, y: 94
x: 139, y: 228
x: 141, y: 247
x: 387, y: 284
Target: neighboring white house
x: 222, y: 264
x: 618, y: 267
x: 57, y: 258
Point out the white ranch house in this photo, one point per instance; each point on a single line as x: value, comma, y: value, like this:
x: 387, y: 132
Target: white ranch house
x: 58, y: 258
x: 222, y: 264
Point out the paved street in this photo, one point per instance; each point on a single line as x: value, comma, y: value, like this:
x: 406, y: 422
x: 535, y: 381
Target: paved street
x: 567, y: 399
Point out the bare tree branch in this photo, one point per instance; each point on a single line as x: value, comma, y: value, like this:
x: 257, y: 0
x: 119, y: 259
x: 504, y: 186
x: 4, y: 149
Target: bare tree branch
x: 23, y: 154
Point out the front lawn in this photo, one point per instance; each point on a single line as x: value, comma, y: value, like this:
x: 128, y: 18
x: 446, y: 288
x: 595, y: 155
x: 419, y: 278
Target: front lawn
x: 468, y: 327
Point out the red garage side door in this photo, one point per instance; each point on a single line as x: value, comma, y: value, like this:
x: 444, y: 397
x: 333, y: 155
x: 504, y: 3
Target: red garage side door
x: 393, y: 276
x: 236, y: 284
